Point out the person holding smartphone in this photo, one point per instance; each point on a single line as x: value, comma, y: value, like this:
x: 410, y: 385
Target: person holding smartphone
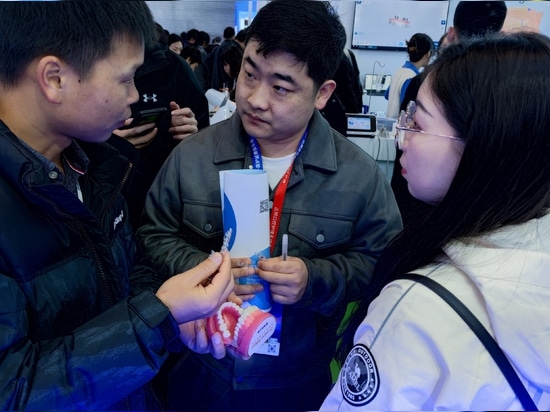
x: 165, y: 80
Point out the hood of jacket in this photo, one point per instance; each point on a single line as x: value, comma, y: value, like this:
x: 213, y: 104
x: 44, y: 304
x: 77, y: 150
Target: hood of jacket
x: 511, y: 269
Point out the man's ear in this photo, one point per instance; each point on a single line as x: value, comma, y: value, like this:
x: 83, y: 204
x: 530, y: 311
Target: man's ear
x: 324, y: 93
x: 50, y: 77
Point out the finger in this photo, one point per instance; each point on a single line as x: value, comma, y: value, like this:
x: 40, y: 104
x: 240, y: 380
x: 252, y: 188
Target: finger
x: 235, y: 353
x: 187, y: 112
x: 217, y: 348
x: 201, y: 339
x: 127, y: 122
x: 143, y: 140
x: 126, y: 132
x: 244, y: 297
x: 174, y: 106
x: 234, y: 298
x: 223, y: 282
x: 187, y: 333
x: 240, y: 262
x: 270, y: 277
x: 183, y: 130
x: 247, y: 289
x: 282, y: 299
x: 285, y: 294
x: 143, y: 128
x: 239, y: 273
x: 205, y: 269
x: 226, y: 266
x: 277, y: 264
x: 184, y: 113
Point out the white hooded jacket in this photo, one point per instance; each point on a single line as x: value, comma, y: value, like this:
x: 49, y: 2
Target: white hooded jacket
x: 413, y: 352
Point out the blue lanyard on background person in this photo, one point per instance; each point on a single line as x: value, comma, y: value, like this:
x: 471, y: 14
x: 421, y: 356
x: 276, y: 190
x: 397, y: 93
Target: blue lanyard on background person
x: 280, y: 193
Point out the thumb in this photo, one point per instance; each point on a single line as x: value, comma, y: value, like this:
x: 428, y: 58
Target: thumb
x: 174, y: 106
x: 206, y: 268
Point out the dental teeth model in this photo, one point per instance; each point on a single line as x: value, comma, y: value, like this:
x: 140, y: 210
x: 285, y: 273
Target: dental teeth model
x: 246, y: 329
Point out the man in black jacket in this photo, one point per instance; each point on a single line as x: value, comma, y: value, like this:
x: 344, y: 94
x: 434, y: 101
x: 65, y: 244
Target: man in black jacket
x: 83, y: 322
x: 336, y: 223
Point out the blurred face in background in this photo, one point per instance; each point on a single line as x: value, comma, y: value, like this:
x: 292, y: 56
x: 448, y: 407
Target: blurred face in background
x: 227, y: 69
x: 176, y: 47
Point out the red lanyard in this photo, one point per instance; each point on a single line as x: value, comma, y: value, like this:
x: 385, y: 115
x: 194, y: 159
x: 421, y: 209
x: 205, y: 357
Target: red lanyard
x: 280, y: 193
x: 277, y: 209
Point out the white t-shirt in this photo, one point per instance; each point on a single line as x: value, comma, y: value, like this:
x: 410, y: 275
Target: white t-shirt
x: 276, y: 167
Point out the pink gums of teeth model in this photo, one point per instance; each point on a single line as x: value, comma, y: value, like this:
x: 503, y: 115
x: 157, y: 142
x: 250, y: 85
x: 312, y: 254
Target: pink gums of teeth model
x: 246, y: 329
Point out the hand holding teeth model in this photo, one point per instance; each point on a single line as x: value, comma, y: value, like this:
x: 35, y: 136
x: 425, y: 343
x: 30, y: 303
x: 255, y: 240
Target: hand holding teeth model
x: 244, y: 328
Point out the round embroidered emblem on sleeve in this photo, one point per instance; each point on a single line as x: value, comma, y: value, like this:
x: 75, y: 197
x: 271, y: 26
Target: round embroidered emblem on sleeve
x: 359, y: 379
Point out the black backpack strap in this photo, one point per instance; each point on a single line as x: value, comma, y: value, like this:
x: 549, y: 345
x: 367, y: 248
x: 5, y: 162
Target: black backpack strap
x: 484, y: 336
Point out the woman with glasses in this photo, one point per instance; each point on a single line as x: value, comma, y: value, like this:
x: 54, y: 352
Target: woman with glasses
x: 476, y: 146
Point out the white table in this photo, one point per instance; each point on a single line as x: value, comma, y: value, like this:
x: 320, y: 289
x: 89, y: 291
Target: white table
x: 381, y: 149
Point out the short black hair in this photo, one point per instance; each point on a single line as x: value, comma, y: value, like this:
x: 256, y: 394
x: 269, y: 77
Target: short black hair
x: 191, y: 53
x: 203, y: 38
x: 192, y: 34
x: 241, y: 35
x: 78, y: 32
x: 478, y: 18
x: 173, y: 38
x: 308, y: 29
x: 229, y: 32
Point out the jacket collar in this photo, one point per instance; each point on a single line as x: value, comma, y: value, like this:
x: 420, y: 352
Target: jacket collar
x: 319, y: 151
x: 19, y: 163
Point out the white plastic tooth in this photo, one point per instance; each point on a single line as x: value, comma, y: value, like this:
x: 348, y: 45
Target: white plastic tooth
x: 232, y: 305
x: 250, y: 309
x: 245, y: 314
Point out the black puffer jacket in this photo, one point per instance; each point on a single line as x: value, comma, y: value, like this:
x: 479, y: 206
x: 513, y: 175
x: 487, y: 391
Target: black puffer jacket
x: 79, y: 325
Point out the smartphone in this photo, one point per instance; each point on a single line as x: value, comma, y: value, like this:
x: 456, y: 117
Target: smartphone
x: 148, y: 116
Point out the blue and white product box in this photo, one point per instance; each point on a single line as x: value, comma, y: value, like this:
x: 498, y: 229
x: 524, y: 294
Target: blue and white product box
x: 245, y: 210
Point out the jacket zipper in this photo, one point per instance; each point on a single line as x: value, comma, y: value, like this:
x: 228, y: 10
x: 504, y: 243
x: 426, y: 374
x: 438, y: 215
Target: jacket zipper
x: 80, y: 227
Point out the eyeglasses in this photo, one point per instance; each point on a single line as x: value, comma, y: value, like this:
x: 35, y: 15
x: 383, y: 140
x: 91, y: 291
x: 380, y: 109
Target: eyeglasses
x: 406, y: 123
